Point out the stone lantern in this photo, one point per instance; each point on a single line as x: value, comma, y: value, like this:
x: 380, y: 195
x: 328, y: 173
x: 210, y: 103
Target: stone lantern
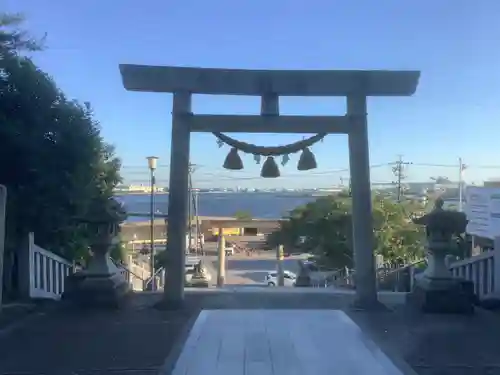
x: 102, y: 282
x: 437, y: 290
x: 303, y: 276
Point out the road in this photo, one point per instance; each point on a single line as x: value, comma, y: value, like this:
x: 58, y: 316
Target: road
x: 244, y: 270
x: 253, y: 271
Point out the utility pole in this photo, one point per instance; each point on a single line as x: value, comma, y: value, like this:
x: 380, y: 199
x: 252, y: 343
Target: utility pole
x: 398, y: 170
x: 343, y: 180
x: 197, y: 219
x: 152, y: 164
x: 190, y: 204
x: 194, y: 201
x: 461, y: 168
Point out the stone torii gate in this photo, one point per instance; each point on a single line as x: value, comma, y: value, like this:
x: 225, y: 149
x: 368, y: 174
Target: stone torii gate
x: 356, y: 86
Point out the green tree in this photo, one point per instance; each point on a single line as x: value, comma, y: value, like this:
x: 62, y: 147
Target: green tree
x: 55, y: 162
x: 13, y: 39
x: 243, y: 215
x: 119, y: 252
x: 442, y: 180
x: 324, y: 227
x: 397, y: 239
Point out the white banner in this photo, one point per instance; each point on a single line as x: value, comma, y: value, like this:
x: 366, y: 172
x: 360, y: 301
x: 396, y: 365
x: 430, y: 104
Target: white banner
x: 483, y: 211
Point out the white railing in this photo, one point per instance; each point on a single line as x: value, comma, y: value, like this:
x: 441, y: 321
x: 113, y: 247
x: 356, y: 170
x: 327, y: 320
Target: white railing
x: 159, y: 280
x: 342, y: 277
x: 135, y: 273
x: 401, y: 279
x: 47, y: 272
x: 136, y: 282
x: 389, y: 278
x: 479, y: 269
x: 324, y: 278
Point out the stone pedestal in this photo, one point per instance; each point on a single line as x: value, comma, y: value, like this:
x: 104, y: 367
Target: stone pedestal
x: 442, y: 296
x: 437, y: 291
x: 303, y: 281
x: 101, y: 284
x: 303, y: 277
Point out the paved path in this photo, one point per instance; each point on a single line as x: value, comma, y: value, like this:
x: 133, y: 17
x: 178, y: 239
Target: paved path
x: 138, y: 340
x: 279, y: 342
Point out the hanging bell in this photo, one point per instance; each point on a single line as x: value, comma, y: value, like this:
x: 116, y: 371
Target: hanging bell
x: 233, y: 161
x: 270, y: 168
x: 307, y: 161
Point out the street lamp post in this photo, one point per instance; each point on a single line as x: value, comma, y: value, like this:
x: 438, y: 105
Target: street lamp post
x: 133, y: 243
x: 152, y: 161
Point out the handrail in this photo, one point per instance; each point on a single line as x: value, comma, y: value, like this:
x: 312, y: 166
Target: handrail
x: 475, y: 258
x: 400, y: 269
x: 150, y: 278
x: 123, y: 266
x: 51, y: 255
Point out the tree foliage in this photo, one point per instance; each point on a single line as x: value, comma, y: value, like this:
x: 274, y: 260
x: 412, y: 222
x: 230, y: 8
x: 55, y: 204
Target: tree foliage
x: 13, y: 39
x: 243, y: 215
x: 119, y: 252
x: 441, y: 180
x: 55, y: 163
x: 324, y: 228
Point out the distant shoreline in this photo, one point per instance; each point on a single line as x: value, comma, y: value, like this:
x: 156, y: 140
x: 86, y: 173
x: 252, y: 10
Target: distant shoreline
x: 278, y: 193
x: 139, y: 193
x: 147, y: 221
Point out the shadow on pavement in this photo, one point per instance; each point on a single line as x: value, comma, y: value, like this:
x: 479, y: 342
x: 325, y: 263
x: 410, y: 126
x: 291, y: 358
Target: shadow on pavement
x: 256, y: 277
x: 261, y: 265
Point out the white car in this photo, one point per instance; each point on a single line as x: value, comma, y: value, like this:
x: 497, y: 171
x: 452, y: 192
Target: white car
x: 229, y: 250
x: 288, y: 277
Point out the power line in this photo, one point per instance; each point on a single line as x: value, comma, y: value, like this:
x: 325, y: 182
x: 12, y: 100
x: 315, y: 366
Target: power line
x: 472, y: 166
x: 209, y: 176
x: 131, y: 175
x: 435, y: 165
x: 483, y: 166
x: 236, y: 175
x: 141, y: 168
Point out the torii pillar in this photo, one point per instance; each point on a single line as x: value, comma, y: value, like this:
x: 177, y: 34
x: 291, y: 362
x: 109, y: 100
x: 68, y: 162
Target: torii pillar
x: 356, y: 86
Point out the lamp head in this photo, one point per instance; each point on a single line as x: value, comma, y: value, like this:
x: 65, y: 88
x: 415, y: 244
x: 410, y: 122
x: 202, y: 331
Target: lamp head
x: 152, y: 161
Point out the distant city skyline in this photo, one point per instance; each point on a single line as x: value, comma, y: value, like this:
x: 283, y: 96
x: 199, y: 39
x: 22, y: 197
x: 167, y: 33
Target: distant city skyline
x: 204, y: 177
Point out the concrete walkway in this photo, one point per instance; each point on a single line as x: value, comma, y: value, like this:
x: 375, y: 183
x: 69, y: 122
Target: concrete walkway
x: 279, y: 342
x: 139, y: 339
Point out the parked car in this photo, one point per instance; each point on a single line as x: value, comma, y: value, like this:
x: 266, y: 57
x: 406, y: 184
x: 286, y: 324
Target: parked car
x: 288, y: 278
x: 229, y: 249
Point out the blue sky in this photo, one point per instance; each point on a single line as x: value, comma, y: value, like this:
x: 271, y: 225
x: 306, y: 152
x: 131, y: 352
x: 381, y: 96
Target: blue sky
x: 455, y: 112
